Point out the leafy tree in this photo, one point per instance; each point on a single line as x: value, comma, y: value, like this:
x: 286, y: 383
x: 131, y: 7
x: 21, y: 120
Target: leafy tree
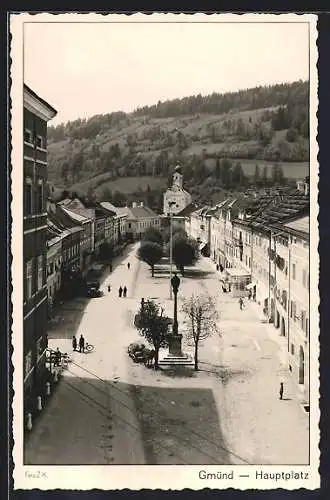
x: 151, y: 253
x: 256, y: 175
x: 265, y: 176
x: 153, y: 234
x: 184, y: 253
x: 119, y: 199
x: 203, y: 317
x: 225, y: 172
x: 217, y: 169
x: 238, y: 177
x: 153, y: 326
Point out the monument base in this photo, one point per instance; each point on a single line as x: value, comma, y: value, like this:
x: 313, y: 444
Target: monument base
x: 174, y: 346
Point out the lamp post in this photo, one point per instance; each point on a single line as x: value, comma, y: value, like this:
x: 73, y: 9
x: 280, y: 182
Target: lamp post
x: 176, y: 338
x: 170, y: 204
x: 175, y: 282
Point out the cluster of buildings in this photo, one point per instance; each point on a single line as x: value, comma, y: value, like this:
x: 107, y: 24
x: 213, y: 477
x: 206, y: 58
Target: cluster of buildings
x: 260, y: 246
x: 62, y: 241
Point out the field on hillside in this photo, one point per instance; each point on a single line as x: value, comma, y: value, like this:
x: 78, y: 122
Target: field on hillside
x: 291, y: 170
x: 122, y: 184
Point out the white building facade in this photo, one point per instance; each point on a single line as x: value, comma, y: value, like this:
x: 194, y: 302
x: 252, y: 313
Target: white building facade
x: 176, y: 198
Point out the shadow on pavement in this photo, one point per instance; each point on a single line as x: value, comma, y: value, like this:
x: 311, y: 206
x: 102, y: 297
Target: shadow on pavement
x: 89, y: 421
x: 173, y: 426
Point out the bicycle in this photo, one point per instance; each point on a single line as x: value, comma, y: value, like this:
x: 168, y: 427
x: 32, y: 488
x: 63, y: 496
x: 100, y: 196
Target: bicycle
x: 89, y: 347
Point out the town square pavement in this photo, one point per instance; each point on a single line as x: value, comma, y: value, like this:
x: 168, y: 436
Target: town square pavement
x: 92, y: 417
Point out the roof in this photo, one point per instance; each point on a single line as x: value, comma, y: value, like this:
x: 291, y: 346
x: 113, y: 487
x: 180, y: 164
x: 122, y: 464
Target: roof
x: 187, y: 210
x: 45, y: 103
x: 75, y: 216
x: 140, y: 212
x: 119, y: 211
x: 301, y: 224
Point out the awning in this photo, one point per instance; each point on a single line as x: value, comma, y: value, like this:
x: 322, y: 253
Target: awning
x: 250, y: 285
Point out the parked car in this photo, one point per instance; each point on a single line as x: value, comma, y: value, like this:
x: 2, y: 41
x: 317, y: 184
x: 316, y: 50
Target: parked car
x: 94, y: 293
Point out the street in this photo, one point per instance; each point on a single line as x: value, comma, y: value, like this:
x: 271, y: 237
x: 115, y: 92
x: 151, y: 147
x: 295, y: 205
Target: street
x: 108, y: 410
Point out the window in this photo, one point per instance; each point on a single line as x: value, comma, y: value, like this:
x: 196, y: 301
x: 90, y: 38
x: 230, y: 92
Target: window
x: 28, y: 363
x: 28, y: 278
x: 293, y: 271
x: 39, y: 142
x: 303, y: 320
x: 293, y: 310
x: 40, y: 272
x: 305, y: 278
x: 28, y: 136
x: 40, y: 196
x: 28, y: 196
x: 292, y: 349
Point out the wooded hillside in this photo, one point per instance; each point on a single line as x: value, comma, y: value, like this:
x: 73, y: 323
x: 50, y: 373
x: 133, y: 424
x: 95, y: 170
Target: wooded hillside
x: 222, y: 137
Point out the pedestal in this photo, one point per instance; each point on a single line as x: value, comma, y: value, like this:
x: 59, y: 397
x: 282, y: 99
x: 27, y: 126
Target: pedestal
x: 175, y: 345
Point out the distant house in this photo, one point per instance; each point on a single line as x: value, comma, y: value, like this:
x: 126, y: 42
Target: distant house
x: 139, y: 219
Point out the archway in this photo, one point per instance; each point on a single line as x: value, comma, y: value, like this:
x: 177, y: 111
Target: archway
x: 301, y: 366
x: 282, y: 327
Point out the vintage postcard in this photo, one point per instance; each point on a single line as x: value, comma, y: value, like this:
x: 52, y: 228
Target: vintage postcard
x: 164, y: 240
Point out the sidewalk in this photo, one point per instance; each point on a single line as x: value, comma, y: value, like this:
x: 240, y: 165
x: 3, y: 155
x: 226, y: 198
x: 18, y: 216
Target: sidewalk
x: 244, y: 369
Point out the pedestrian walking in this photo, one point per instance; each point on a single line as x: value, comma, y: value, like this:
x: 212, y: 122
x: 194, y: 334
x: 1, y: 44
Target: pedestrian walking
x: 58, y: 357
x: 120, y: 291
x: 81, y: 344
x: 281, y: 390
x: 241, y: 303
x: 128, y: 265
x: 109, y: 288
x: 74, y: 343
x: 125, y: 291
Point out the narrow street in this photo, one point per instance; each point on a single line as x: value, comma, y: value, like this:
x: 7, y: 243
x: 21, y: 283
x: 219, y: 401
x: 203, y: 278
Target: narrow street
x: 108, y: 410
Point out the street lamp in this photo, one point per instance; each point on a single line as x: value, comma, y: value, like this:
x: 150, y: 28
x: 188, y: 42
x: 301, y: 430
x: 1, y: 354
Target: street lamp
x: 175, y: 282
x: 170, y: 204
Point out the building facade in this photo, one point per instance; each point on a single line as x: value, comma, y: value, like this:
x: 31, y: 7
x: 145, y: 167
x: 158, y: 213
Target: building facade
x: 36, y: 114
x: 176, y: 198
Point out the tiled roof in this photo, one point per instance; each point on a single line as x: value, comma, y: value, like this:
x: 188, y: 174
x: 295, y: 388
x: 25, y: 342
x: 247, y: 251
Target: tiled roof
x: 140, y: 212
x: 187, y: 210
x: 75, y: 216
x: 301, y: 224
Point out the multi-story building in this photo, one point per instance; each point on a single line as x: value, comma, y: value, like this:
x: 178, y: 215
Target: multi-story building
x: 119, y: 223
x: 139, y: 219
x: 36, y: 113
x: 290, y: 261
x: 176, y: 198
x: 54, y: 262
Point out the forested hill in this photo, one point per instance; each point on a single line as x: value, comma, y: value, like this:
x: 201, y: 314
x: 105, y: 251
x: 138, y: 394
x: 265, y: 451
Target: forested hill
x: 263, y: 124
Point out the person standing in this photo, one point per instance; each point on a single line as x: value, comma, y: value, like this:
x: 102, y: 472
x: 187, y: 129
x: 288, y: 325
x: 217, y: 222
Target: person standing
x: 128, y: 265
x: 125, y: 291
x: 109, y: 288
x: 241, y: 303
x: 74, y: 343
x: 57, y: 357
x: 81, y: 344
x: 281, y: 390
x: 120, y: 291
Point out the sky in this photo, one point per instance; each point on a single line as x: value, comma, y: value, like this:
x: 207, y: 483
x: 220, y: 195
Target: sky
x: 83, y: 69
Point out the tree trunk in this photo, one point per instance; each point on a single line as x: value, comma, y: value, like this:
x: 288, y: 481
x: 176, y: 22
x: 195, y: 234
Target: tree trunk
x: 196, y: 356
x: 156, y: 358
x: 152, y: 270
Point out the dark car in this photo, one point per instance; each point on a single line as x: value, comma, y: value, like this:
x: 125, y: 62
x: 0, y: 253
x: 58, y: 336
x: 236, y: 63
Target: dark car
x: 94, y: 293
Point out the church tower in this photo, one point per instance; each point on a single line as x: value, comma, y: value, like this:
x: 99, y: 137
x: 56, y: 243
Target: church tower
x: 176, y: 198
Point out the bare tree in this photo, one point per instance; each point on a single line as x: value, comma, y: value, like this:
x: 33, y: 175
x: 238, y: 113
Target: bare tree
x: 203, y: 317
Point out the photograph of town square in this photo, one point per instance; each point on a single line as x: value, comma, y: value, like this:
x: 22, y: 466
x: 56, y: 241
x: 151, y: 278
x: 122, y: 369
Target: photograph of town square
x: 166, y: 249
